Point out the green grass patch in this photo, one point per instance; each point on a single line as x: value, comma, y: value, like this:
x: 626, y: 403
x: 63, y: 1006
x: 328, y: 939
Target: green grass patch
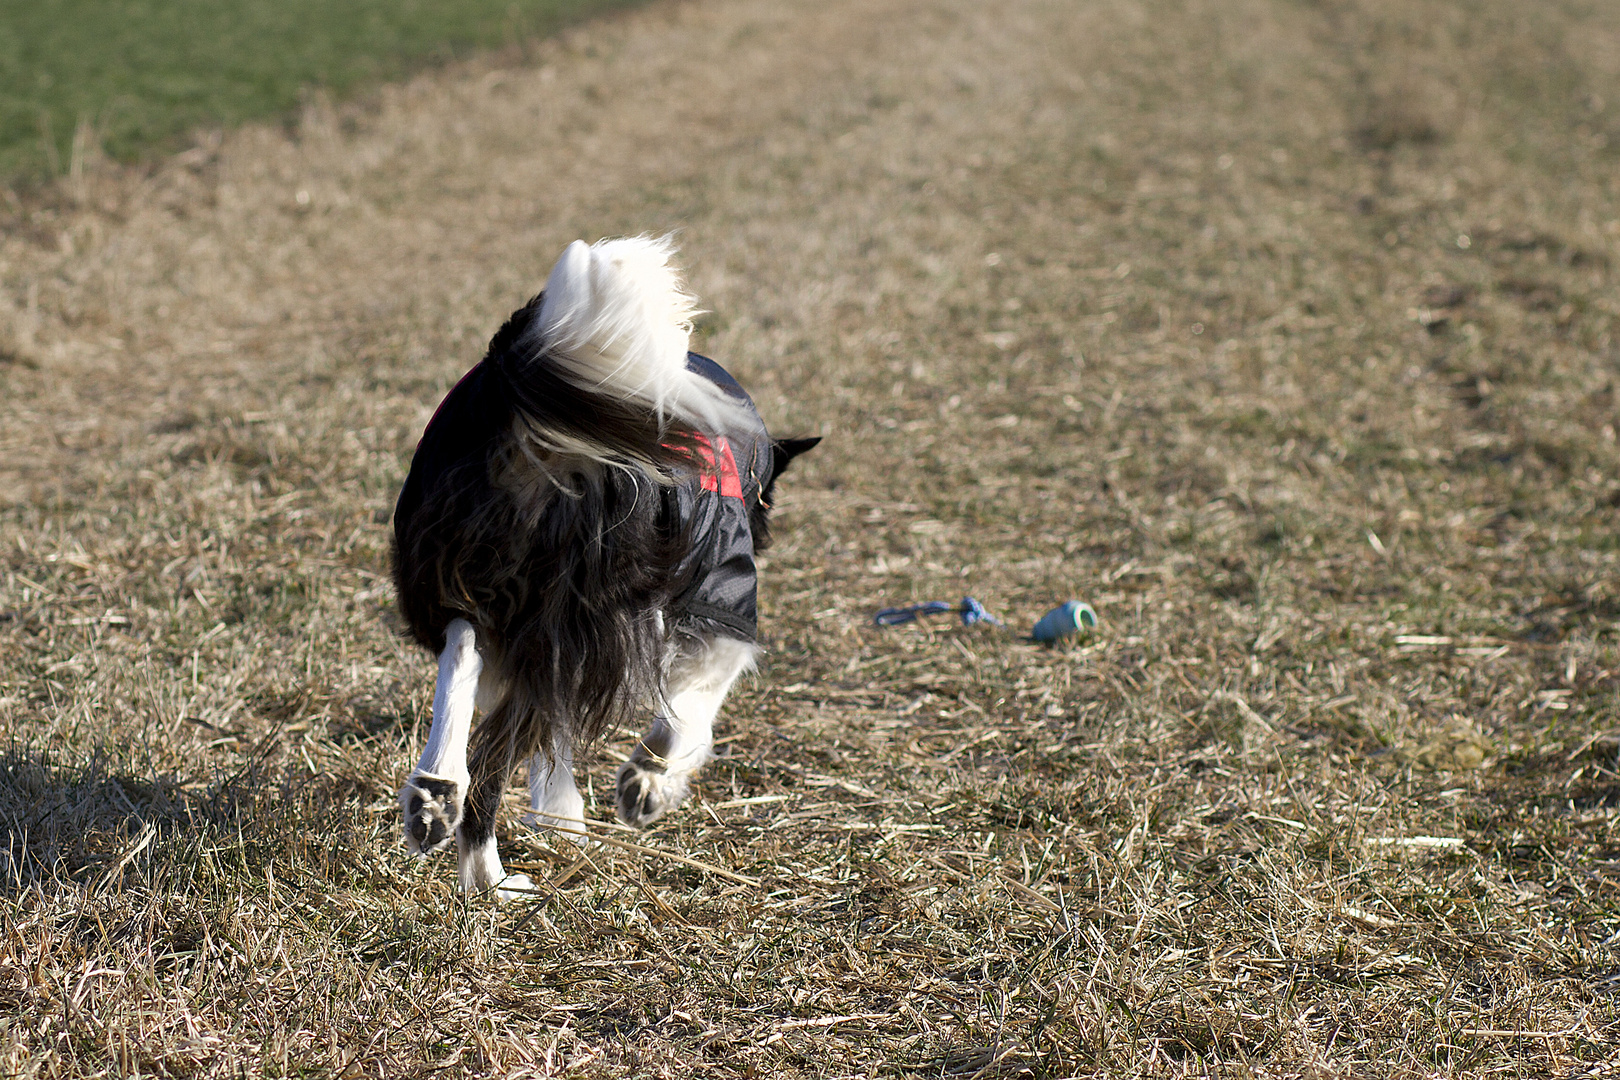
x: 137, y: 74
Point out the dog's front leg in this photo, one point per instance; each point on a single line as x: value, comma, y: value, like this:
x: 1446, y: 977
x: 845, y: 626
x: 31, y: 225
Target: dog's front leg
x: 656, y: 778
x: 431, y: 801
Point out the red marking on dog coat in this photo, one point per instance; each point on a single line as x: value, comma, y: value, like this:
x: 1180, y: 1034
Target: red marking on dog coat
x: 719, y: 475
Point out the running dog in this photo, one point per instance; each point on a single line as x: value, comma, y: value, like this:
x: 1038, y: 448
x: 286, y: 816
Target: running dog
x: 575, y: 543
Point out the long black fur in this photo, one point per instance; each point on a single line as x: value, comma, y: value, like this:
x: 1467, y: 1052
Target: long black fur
x: 560, y: 563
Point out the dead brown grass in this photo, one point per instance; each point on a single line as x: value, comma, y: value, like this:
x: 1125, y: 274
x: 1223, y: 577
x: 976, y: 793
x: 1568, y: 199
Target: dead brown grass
x: 1283, y: 334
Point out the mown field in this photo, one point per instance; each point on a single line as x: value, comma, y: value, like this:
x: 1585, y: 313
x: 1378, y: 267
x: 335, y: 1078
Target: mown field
x: 80, y: 78
x: 1282, y: 333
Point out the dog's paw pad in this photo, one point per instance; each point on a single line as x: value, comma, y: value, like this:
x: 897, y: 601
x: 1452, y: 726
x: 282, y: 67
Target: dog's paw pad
x: 646, y: 795
x: 430, y: 807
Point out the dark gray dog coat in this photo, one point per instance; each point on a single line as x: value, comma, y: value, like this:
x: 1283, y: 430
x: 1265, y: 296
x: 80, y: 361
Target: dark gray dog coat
x: 719, y: 503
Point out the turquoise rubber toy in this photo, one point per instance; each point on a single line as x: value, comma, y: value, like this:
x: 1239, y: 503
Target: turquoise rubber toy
x: 1060, y: 622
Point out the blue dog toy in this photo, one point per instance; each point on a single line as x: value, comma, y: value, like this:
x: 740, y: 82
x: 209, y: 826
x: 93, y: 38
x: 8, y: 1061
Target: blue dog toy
x: 1060, y: 622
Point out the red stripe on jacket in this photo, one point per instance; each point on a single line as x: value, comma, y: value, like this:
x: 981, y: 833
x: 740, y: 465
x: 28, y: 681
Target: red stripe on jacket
x: 719, y: 472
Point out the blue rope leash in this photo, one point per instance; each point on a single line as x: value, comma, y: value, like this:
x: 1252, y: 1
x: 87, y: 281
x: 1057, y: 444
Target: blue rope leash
x: 970, y: 609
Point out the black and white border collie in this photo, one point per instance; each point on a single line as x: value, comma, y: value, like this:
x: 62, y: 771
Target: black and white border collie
x: 575, y: 542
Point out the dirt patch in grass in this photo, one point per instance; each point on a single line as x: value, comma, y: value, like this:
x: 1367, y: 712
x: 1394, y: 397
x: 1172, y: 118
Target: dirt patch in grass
x: 1282, y: 334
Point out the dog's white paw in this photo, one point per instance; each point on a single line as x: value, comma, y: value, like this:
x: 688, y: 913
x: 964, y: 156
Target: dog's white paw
x: 571, y: 826
x: 648, y: 792
x: 515, y: 887
x: 430, y: 808
x: 481, y: 873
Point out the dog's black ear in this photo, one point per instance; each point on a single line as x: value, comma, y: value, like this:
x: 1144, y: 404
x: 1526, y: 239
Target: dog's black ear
x: 782, y: 452
x: 785, y: 450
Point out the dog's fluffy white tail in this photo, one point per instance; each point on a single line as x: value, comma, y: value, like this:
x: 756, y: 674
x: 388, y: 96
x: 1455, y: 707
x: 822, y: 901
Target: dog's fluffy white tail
x: 616, y: 319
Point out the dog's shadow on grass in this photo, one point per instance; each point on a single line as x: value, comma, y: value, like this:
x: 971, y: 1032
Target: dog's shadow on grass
x: 85, y: 825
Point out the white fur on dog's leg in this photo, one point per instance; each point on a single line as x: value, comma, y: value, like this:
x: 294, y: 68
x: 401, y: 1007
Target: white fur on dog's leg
x: 554, y: 800
x: 659, y: 773
x: 480, y: 871
x: 430, y: 803
x: 490, y: 689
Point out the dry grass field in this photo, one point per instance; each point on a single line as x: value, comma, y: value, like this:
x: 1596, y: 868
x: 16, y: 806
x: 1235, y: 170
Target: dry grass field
x: 1284, y: 333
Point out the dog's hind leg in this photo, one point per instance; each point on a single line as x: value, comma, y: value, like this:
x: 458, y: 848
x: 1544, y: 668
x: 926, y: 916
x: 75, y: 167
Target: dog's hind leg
x: 554, y: 801
x: 655, y: 779
x: 478, y: 863
x: 431, y: 801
